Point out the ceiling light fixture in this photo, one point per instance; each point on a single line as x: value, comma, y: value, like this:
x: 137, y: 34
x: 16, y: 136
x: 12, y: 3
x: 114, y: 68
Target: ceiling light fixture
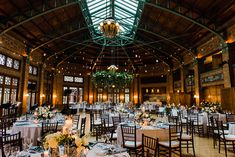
x: 109, y: 27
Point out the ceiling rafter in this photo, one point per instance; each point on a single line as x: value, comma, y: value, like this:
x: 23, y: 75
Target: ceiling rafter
x: 30, y: 3
x: 44, y: 12
x: 200, y: 22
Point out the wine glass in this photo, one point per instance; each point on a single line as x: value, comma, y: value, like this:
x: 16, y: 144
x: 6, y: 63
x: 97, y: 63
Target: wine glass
x: 15, y: 151
x: 108, y: 136
x: 29, y: 142
x: 7, y: 150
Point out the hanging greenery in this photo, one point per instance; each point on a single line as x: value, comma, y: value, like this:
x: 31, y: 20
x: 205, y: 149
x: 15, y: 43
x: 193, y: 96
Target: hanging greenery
x: 111, y: 79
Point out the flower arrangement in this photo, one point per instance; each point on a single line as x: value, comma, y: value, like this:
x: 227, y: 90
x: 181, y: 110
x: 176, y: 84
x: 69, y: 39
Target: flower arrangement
x: 210, y: 107
x: 43, y: 113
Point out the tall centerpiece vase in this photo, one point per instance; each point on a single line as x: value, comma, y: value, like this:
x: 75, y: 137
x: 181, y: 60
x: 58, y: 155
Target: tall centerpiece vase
x: 53, y: 152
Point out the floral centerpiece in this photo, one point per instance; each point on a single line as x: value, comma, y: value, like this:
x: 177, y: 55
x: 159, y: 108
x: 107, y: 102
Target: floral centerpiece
x: 43, y: 113
x: 210, y: 107
x: 143, y: 117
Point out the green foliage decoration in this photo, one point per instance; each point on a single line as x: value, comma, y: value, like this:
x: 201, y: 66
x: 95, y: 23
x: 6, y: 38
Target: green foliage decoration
x: 111, y: 79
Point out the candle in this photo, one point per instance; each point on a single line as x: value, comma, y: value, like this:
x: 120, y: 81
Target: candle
x: 46, y: 153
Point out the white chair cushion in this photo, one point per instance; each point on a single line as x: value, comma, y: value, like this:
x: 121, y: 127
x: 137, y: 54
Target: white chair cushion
x: 225, y: 132
x: 114, y: 135
x: 183, y: 120
x: 132, y: 144
x: 229, y: 137
x: 197, y: 123
x: 167, y: 144
x: 186, y: 137
x: 110, y: 125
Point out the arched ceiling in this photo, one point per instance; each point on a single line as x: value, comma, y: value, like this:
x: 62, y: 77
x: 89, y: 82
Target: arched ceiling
x: 167, y: 30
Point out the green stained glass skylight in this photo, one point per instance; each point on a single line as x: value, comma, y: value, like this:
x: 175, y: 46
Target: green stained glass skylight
x: 126, y: 12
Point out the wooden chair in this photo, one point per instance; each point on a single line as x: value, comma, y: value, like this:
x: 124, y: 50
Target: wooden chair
x: 149, y: 146
x: 100, y: 130
x: 116, y: 122
x: 48, y: 128
x: 83, y: 127
x: 209, y: 124
x: 216, y: 131
x: 93, y: 122
x: 226, y: 139
x: 76, y: 119
x: 171, y: 146
x: 106, y: 119
x: 129, y: 139
x: 14, y: 140
x: 187, y: 138
x: 198, y: 124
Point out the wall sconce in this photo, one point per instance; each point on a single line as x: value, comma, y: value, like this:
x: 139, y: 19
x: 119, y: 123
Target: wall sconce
x: 26, y: 95
x: 158, y: 91
x: 54, y: 96
x: 135, y: 96
x: 42, y: 96
x: 104, y: 97
x: 196, y: 96
x: 91, y: 96
x: 178, y: 91
x: 121, y: 97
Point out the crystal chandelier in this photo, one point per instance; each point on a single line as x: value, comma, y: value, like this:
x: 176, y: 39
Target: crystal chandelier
x: 109, y: 27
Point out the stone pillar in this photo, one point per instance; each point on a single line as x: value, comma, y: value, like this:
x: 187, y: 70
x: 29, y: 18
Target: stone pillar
x: 23, y: 85
x: 41, y: 94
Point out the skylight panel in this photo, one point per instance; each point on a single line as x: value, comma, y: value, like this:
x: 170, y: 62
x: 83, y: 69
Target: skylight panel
x: 125, y: 13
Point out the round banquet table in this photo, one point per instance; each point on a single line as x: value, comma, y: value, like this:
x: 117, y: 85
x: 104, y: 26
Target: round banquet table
x: 161, y: 133
x: 29, y: 129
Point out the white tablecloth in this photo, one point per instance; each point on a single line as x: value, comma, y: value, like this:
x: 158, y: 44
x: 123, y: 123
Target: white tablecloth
x: 232, y: 128
x: 97, y: 151
x: 161, y: 133
x: 28, y: 130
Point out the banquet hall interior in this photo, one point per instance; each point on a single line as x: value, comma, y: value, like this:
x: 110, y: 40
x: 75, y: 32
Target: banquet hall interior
x: 117, y: 78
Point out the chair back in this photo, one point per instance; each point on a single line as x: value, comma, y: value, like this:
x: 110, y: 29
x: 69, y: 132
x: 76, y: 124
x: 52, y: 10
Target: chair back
x: 99, y: 131
x: 14, y: 140
x: 194, y: 117
x: 230, y: 118
x: 149, y: 146
x: 76, y: 120
x: 83, y: 127
x: 128, y: 134
x: 116, y: 122
x: 105, y: 117
x: 48, y: 128
x: 3, y: 128
x: 173, y: 133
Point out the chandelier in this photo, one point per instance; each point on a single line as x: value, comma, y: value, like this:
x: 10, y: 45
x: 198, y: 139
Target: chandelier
x: 109, y: 27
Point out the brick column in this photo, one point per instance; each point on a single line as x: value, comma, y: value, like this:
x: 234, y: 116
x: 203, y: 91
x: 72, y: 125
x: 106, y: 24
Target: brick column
x: 197, y: 83
x: 169, y: 86
x: 23, y: 85
x: 41, y: 97
x: 225, y: 58
x: 182, y: 78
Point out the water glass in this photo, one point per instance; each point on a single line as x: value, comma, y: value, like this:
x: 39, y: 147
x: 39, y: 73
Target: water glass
x: 7, y: 150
